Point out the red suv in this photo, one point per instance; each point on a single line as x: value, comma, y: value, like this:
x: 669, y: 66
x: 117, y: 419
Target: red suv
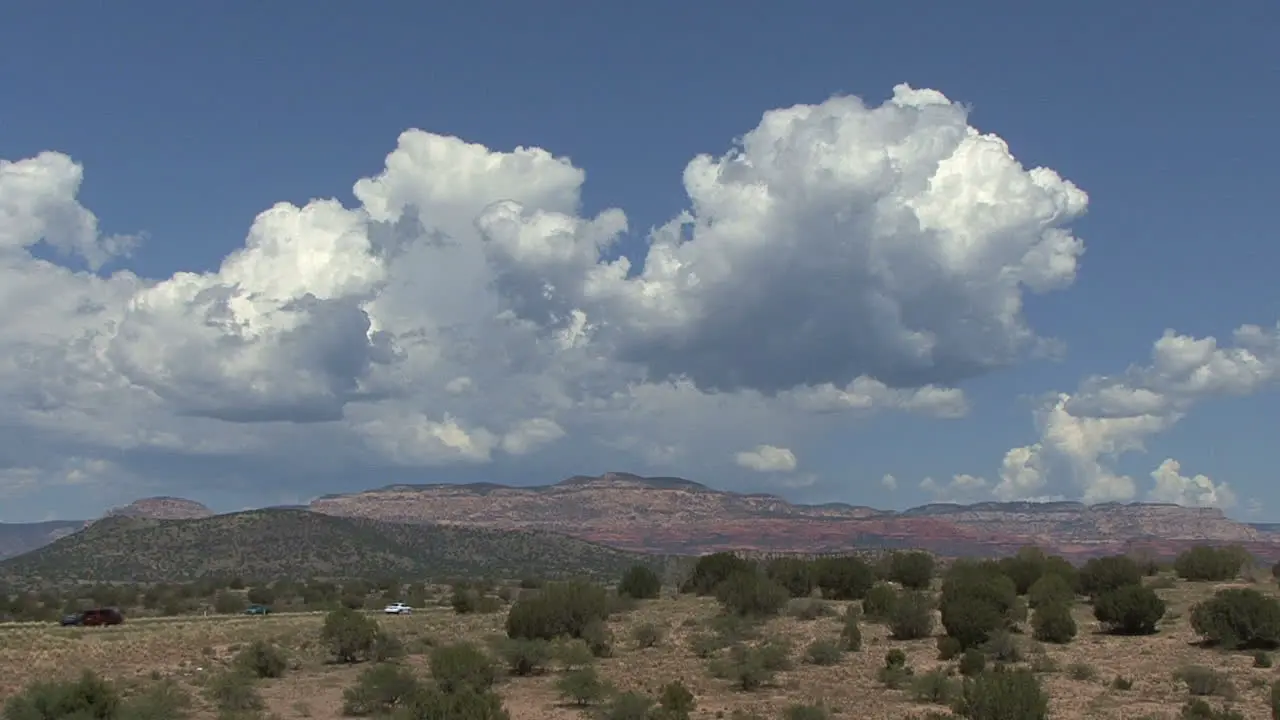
x: 96, y: 616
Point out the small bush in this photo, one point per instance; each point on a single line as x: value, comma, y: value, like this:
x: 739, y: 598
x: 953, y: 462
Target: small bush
x: 843, y: 578
x: 713, y: 569
x: 912, y: 616
x: 88, y: 697
x: 349, y: 635
x: 934, y: 687
x: 558, y: 610
x: 972, y: 662
x: 677, y: 701
x: 1129, y: 610
x: 1007, y: 695
x: 573, y: 653
x: 1202, y: 681
x: 792, y: 573
x: 433, y: 703
x: 913, y: 569
x: 895, y: 658
x: 462, y: 666
x: 231, y: 691
x: 640, y: 582
x: 1053, y: 624
x: 850, y: 632
x: 1121, y: 683
x: 1082, y: 672
x: 379, y: 689
x: 629, y: 706
x: 262, y: 659
x: 751, y: 594
x: 1238, y: 619
x: 895, y: 673
x: 1050, y: 589
x: 1198, y: 709
x: 164, y: 700
x: 582, y: 686
x: 524, y: 657
x: 809, y: 608
x: 977, y: 600
x: 824, y: 652
x: 1262, y: 659
x: 646, y: 635
x: 1100, y: 575
x: 1003, y: 647
x: 747, y: 667
x: 599, y: 638
x: 879, y: 602
x: 1274, y: 698
x: 1208, y: 563
x: 948, y: 647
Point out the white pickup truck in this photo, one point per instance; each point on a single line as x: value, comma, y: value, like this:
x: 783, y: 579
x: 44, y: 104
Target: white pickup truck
x: 397, y: 609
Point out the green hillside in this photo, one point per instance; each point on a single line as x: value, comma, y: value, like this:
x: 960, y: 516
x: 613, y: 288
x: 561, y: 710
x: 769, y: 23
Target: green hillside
x: 294, y: 544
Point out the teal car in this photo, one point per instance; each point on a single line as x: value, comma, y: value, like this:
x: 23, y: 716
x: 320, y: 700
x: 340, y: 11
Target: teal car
x: 257, y: 610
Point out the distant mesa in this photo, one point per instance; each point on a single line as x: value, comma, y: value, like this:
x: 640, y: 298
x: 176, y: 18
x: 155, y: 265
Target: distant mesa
x: 162, y: 508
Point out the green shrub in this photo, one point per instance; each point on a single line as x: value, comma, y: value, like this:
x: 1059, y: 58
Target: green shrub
x: 349, y: 635
x: 462, y: 666
x: 1100, y: 575
x: 972, y: 662
x: 747, y: 667
x: 677, y: 701
x: 751, y: 594
x: 1198, y: 709
x: 913, y: 569
x: 1003, y: 647
x: 582, y: 686
x: 1082, y: 672
x: 640, y: 582
x: 163, y: 700
x: 89, y: 697
x: 1238, y: 618
x: 628, y: 706
x: 934, y: 687
x: 1274, y: 699
x: 524, y: 657
x: 823, y: 652
x: 978, y: 599
x: 1050, y: 589
x: 807, y: 608
x: 262, y: 659
x: 1262, y: 659
x: 1202, y: 681
x: 232, y: 691
x: 843, y: 578
x: 895, y: 673
x: 1129, y: 610
x: 1006, y: 695
x: 792, y: 573
x: 711, y: 570
x: 912, y: 616
x: 433, y: 703
x: 226, y: 602
x: 1053, y: 623
x: 1209, y: 563
x: 646, y: 635
x: 948, y: 647
x: 379, y: 689
x: 599, y: 638
x: 558, y: 610
x: 879, y: 602
x: 850, y: 633
x: 572, y: 653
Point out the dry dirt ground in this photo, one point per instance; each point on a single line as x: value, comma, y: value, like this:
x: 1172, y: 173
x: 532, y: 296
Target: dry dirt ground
x: 189, y: 649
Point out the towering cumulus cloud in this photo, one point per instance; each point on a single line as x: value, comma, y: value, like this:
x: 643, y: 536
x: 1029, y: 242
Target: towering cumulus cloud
x: 842, y: 258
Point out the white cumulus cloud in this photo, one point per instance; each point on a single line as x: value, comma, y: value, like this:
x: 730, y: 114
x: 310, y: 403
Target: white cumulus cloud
x: 767, y: 458
x: 843, y: 258
x: 1082, y: 433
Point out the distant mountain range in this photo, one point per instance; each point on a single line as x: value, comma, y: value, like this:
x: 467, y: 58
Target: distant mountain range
x: 670, y: 515
x: 298, y: 544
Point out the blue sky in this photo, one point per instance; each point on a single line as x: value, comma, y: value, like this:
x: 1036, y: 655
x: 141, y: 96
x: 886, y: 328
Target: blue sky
x: 189, y: 121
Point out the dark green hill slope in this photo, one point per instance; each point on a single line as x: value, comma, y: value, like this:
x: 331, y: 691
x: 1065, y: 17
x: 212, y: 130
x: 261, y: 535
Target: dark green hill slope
x: 269, y: 544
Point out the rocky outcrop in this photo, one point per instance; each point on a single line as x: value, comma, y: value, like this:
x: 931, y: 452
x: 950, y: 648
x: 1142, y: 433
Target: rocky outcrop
x: 162, y: 508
